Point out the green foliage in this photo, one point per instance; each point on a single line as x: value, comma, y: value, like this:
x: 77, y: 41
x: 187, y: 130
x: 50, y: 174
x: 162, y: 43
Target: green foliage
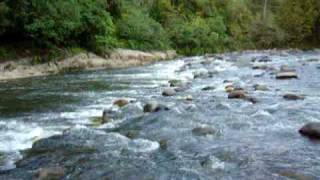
x: 266, y: 34
x: 189, y: 26
x: 4, y: 21
x: 5, y: 54
x: 65, y: 23
x: 298, y: 19
x: 199, y: 35
x: 138, y: 31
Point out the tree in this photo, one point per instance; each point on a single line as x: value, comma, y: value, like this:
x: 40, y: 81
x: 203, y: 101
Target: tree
x: 4, y: 20
x: 137, y: 30
x: 297, y: 18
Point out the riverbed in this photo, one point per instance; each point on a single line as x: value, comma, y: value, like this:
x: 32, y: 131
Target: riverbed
x: 243, y: 139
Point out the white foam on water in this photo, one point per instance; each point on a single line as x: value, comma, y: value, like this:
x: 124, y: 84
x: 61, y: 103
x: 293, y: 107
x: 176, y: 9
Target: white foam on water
x: 143, y: 145
x: 262, y: 114
x: 21, y: 135
x: 215, y: 163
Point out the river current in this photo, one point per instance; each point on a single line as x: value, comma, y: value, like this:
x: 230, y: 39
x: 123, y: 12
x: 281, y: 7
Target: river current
x: 53, y: 116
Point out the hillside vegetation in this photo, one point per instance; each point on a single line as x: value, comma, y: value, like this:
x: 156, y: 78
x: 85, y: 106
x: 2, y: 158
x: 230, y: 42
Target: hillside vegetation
x: 189, y: 26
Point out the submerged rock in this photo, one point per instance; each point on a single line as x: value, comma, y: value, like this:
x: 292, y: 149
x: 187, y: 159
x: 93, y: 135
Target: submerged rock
x: 51, y: 173
x: 251, y: 99
x: 206, y: 62
x: 260, y: 87
x: 311, y: 130
x: 208, y: 88
x: 286, y: 68
x: 153, y: 106
x: 291, y: 96
x: 203, y: 131
x: 132, y: 134
x: 295, y: 175
x: 287, y: 75
x: 169, y: 92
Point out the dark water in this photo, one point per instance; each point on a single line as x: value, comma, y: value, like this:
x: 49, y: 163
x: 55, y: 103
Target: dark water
x: 251, y: 141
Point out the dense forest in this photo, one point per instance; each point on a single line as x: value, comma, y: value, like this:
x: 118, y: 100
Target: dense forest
x: 189, y: 26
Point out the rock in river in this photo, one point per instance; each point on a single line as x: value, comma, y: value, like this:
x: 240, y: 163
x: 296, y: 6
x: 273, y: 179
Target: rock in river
x: 177, y: 83
x: 237, y: 94
x: 203, y: 131
x: 153, y: 106
x: 169, y: 92
x: 291, y: 96
x: 208, y: 88
x: 121, y: 102
x: 286, y: 75
x: 311, y: 130
x: 108, y: 115
x: 189, y: 98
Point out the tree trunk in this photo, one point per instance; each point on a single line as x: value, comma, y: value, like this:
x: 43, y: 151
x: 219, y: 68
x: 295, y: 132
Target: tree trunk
x: 265, y: 10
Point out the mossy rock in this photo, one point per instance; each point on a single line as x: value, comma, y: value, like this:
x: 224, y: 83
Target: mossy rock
x: 96, y: 121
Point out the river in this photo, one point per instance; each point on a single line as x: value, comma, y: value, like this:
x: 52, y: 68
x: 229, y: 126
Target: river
x: 245, y: 140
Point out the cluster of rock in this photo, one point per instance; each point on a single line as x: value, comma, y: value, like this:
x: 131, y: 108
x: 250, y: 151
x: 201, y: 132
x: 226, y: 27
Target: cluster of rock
x: 311, y: 130
x: 233, y: 90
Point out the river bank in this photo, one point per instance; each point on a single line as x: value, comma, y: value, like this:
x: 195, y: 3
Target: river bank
x: 119, y: 58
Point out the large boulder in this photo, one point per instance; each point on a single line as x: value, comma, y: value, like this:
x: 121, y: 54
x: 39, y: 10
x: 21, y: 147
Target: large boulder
x: 311, y: 130
x: 287, y: 75
x: 169, y: 92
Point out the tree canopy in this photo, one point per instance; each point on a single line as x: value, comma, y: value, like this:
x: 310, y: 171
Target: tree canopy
x: 189, y: 26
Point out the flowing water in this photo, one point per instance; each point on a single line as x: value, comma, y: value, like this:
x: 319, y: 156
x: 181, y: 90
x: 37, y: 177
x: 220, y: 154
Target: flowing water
x: 250, y: 141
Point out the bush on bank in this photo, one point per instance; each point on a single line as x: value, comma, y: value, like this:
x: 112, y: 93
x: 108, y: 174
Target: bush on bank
x: 189, y: 26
